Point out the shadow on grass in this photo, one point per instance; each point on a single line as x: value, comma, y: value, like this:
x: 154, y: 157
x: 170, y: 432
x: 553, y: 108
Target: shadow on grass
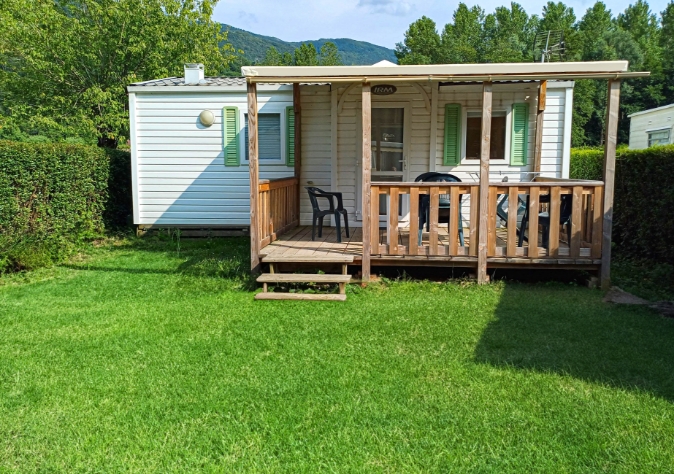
x: 569, y: 330
x: 224, y: 258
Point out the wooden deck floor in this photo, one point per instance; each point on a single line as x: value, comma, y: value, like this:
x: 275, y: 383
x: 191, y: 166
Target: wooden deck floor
x: 298, y: 243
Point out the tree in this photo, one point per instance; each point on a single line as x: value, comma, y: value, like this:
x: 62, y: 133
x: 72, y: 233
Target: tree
x: 591, y: 29
x: 330, y: 55
x: 67, y: 62
x: 306, y: 55
x: 463, y: 40
x: 667, y: 46
x: 274, y: 58
x: 421, y: 44
x: 509, y: 34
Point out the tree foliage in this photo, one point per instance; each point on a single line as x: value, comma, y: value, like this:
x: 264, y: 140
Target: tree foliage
x: 305, y: 55
x: 506, y: 35
x: 66, y: 63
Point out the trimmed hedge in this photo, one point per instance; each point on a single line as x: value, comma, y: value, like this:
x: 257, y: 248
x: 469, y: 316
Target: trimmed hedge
x: 643, y: 217
x: 53, y: 196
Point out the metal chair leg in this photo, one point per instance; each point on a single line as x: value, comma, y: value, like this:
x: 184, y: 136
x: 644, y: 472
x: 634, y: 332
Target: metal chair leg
x: 346, y: 223
x: 461, y: 239
x: 339, y: 228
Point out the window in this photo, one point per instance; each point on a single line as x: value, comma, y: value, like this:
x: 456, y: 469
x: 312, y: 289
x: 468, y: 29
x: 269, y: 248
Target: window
x: 269, y: 136
x: 658, y: 137
x: 474, y: 136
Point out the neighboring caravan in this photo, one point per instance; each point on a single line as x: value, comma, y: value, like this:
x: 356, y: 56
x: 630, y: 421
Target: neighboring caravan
x: 652, y: 127
x: 369, y: 132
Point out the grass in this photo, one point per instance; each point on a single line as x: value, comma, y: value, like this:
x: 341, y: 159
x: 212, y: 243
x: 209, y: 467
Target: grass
x: 137, y: 358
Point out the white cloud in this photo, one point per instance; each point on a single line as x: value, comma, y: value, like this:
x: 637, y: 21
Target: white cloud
x: 389, y: 7
x: 248, y: 18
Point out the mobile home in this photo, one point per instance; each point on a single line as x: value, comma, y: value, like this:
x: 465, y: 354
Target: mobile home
x: 652, y: 127
x: 502, y: 131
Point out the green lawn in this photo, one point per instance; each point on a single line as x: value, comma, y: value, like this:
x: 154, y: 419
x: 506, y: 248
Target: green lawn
x: 137, y: 358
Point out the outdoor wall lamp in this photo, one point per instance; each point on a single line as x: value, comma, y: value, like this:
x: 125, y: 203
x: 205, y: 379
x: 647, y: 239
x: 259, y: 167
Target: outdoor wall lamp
x: 206, y: 118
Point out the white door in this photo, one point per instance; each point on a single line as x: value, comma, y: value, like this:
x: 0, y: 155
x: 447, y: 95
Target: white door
x: 389, y: 152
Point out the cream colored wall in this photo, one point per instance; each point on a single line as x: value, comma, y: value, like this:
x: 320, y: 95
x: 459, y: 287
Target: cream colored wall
x: 316, y: 144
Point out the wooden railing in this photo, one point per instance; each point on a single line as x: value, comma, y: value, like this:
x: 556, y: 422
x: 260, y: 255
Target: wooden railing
x: 399, y: 236
x: 277, y: 208
x: 545, y: 195
x: 397, y: 239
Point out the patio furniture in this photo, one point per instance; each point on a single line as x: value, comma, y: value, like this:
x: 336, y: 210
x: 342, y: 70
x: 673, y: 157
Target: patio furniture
x: 502, y: 212
x: 564, y: 218
x: 444, y: 203
x: 319, y: 214
x: 544, y: 218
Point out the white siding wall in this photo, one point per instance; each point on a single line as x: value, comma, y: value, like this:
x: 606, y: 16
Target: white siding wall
x: 316, y: 137
x: 316, y: 144
x: 179, y: 170
x: 650, y: 121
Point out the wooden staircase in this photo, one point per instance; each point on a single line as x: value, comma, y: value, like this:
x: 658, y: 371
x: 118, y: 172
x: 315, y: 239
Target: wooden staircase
x: 274, y: 277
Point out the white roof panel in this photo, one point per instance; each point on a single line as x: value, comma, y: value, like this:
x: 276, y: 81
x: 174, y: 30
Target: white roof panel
x: 489, y: 71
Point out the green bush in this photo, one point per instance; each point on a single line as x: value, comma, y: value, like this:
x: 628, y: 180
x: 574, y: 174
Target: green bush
x: 643, y: 218
x: 118, y: 209
x: 586, y: 163
x: 54, y: 196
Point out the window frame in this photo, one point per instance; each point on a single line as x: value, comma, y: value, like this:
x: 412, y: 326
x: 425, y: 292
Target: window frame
x: 656, y: 130
x: 507, y: 111
x: 274, y: 108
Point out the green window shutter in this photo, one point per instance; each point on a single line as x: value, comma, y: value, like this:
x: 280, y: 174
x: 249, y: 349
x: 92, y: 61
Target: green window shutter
x: 452, y: 153
x: 519, y: 140
x: 230, y: 124
x: 290, y: 136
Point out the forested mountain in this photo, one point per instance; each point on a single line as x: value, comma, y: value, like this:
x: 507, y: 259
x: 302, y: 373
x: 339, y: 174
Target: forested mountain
x: 353, y: 52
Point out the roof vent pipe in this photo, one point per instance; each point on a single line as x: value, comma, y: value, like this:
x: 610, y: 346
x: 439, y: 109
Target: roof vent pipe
x: 194, y: 73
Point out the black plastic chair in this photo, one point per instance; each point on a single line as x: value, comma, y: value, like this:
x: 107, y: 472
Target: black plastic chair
x: 319, y: 215
x: 444, y: 203
x: 544, y: 218
x: 564, y: 219
x: 502, y: 212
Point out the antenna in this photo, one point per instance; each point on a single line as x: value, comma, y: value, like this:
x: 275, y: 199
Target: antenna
x: 549, y: 46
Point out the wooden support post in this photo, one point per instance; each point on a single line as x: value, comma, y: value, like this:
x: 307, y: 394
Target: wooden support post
x: 254, y: 178
x: 612, y: 109
x: 484, y: 184
x: 297, y: 109
x: 538, y: 143
x: 367, y: 163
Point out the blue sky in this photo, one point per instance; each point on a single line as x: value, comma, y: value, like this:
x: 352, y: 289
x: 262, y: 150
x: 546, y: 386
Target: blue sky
x: 380, y: 22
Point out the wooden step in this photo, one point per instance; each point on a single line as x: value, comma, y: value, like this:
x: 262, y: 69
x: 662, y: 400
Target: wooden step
x: 302, y: 278
x: 299, y: 296
x: 336, y: 258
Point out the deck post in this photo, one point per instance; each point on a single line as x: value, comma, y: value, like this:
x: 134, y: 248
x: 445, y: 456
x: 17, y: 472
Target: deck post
x: 612, y: 109
x: 538, y: 143
x: 485, y: 150
x: 367, y: 163
x: 297, y: 109
x: 254, y: 177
